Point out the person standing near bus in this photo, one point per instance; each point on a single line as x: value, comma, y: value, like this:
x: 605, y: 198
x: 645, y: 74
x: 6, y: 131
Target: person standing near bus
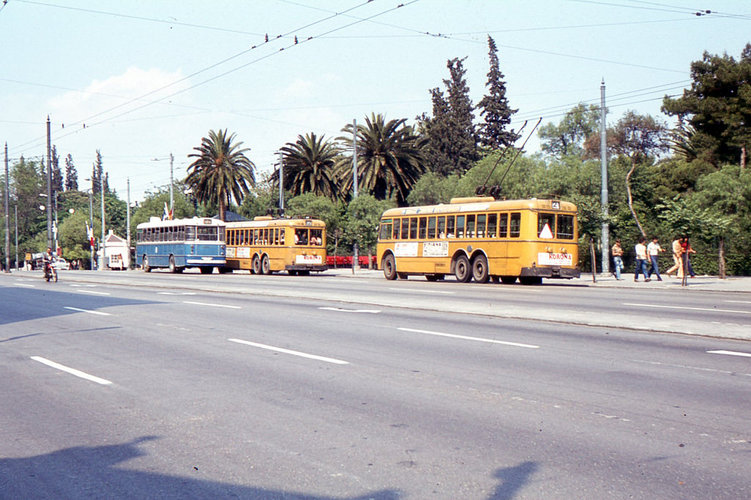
x: 617, y: 252
x: 641, y: 260
x: 653, y: 250
x: 687, y: 250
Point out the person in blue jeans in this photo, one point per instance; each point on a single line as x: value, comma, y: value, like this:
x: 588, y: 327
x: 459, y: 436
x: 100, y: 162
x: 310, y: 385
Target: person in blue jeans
x: 617, y: 252
x: 653, y: 251
x: 641, y: 259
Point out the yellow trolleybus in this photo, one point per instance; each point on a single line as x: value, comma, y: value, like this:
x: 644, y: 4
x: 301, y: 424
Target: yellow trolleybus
x: 266, y: 245
x: 481, y: 239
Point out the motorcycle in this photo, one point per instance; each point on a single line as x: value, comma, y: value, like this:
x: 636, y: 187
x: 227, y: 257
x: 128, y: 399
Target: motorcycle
x: 50, y: 272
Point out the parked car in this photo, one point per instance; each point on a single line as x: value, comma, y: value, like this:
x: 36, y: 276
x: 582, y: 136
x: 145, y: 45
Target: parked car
x: 61, y: 264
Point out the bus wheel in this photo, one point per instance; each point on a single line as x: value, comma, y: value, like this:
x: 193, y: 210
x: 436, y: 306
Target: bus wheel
x: 145, y: 265
x: 462, y: 269
x: 172, y: 267
x: 508, y: 280
x: 206, y: 269
x: 265, y: 265
x: 255, y: 265
x: 480, y: 269
x: 389, y: 267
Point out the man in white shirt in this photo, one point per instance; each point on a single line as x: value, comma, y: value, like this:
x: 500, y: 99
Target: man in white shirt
x: 641, y: 260
x: 653, y: 250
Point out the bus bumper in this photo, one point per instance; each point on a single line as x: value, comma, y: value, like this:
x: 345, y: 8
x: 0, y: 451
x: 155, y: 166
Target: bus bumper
x: 206, y: 261
x: 550, y: 272
x: 315, y: 268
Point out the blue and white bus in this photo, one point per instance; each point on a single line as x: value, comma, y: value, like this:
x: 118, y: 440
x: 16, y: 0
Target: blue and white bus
x: 177, y: 244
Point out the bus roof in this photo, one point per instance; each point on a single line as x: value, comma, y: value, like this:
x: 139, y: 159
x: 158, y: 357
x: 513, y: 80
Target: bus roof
x: 277, y: 223
x: 482, y: 204
x: 193, y: 221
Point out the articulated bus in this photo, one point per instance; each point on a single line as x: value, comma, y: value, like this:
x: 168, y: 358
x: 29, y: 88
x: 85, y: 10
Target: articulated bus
x: 266, y: 245
x: 180, y: 243
x: 481, y: 239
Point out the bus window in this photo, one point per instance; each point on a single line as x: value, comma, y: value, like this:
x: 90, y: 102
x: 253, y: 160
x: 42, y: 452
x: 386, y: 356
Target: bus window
x: 413, y: 228
x: 460, y: 226
x: 565, y: 227
x: 442, y: 227
x: 492, y: 225
x: 316, y: 237
x: 545, y: 225
x: 282, y: 232
x: 395, y: 229
x: 423, y: 228
x: 450, y: 229
x: 471, y: 226
x: 515, y: 225
x: 386, y: 230
x: 301, y: 236
x: 207, y: 233
x: 431, y: 228
x: 405, y: 229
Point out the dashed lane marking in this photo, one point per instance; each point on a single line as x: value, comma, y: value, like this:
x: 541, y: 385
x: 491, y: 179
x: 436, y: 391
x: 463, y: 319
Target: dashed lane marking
x: 72, y: 371
x: 464, y: 337
x: 77, y: 309
x: 289, y: 351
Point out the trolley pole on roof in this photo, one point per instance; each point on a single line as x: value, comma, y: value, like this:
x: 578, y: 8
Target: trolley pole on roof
x: 604, y: 192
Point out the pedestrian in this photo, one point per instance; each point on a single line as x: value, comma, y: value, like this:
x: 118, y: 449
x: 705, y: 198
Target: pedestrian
x: 677, y: 247
x: 641, y: 260
x: 617, y: 253
x: 687, y: 250
x: 653, y: 250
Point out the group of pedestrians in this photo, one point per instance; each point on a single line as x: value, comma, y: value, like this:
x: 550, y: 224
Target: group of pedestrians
x: 647, y: 255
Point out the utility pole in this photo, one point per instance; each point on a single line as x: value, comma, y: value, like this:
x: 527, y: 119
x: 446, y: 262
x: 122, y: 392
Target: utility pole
x: 15, y: 222
x: 356, y: 250
x: 281, y: 184
x: 604, y: 191
x: 49, y: 184
x: 171, y: 182
x: 91, y: 223
x: 127, y: 223
x: 7, y: 214
x: 104, y: 242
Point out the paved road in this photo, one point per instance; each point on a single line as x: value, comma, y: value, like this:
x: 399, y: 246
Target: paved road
x: 186, y: 391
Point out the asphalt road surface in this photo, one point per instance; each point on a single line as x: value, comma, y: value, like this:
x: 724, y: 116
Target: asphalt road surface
x: 190, y: 386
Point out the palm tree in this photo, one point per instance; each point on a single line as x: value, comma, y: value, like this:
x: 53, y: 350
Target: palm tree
x: 389, y: 159
x: 221, y: 171
x: 309, y: 167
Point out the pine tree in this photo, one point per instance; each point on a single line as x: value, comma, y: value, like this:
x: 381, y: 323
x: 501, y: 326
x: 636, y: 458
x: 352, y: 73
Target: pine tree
x: 495, y: 107
x: 97, y: 173
x: 71, y: 175
x: 57, y: 173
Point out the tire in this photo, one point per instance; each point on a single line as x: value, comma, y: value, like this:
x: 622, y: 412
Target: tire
x: 255, y: 266
x: 206, y: 269
x: 388, y: 264
x: 145, y: 265
x: 462, y: 269
x: 480, y: 269
x: 265, y: 265
x: 172, y: 267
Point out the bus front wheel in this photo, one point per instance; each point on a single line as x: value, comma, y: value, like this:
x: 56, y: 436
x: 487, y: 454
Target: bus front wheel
x: 389, y: 267
x: 172, y: 267
x: 146, y: 267
x: 480, y: 269
x: 462, y: 269
x: 255, y: 267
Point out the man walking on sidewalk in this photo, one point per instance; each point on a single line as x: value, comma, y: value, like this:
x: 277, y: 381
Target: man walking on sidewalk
x: 653, y: 250
x: 641, y: 259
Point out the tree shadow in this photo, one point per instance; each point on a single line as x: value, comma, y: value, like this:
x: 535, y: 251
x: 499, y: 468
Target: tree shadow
x: 512, y: 480
x: 91, y: 472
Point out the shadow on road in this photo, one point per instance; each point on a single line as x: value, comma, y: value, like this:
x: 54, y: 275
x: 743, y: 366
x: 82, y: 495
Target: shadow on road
x: 90, y: 472
x: 512, y: 480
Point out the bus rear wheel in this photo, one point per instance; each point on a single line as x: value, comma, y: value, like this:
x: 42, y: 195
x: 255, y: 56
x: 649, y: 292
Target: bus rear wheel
x: 172, y: 267
x: 480, y: 269
x: 389, y: 267
x: 145, y: 265
x: 265, y: 265
x: 255, y: 267
x: 462, y: 269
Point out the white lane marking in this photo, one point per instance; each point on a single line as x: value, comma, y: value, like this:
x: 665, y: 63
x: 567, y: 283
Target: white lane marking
x: 87, y: 311
x: 210, y: 305
x: 686, y: 308
x: 289, y: 351
x: 174, y: 293
x: 739, y: 301
x: 95, y: 293
x: 72, y: 371
x: 414, y: 290
x: 731, y: 353
x: 26, y: 284
x: 697, y: 368
x: 464, y: 337
x: 339, y: 309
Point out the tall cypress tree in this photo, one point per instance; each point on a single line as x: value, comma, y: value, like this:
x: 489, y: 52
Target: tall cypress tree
x: 71, y: 175
x: 97, y: 173
x: 495, y: 107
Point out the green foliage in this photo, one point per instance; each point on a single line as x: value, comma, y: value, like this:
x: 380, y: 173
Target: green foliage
x: 495, y: 107
x: 310, y: 167
x: 361, y: 226
x: 153, y: 206
x: 319, y: 207
x: 568, y: 137
x: 433, y: 189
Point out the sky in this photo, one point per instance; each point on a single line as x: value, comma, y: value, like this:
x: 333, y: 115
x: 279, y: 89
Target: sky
x: 141, y: 80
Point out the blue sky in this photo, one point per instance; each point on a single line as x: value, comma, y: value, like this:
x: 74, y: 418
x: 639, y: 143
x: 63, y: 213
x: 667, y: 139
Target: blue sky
x: 152, y: 77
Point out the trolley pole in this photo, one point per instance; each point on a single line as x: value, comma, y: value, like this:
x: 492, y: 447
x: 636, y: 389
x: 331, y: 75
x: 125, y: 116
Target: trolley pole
x: 604, y: 192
